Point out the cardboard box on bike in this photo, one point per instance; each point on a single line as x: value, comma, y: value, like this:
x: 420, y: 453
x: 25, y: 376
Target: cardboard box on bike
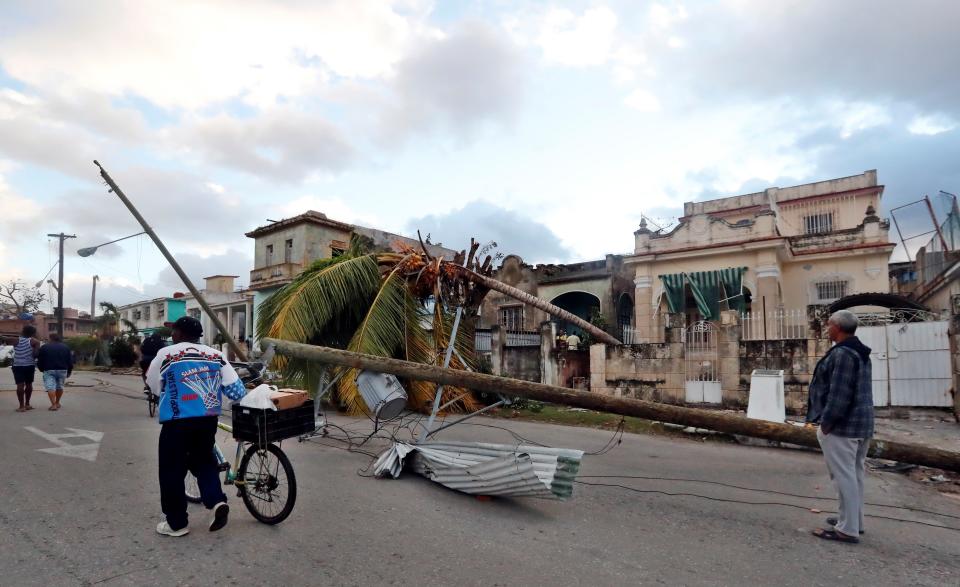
x: 285, y: 399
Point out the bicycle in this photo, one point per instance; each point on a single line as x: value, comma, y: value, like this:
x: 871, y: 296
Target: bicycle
x: 264, y: 479
x: 153, y: 401
x: 262, y: 473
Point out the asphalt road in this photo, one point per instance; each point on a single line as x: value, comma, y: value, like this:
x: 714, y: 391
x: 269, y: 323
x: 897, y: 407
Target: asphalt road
x: 69, y: 521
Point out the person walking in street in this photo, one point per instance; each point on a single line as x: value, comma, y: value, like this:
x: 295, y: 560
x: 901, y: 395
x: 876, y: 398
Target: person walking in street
x: 25, y: 349
x: 148, y: 352
x: 191, y: 379
x: 55, y: 361
x: 841, y: 402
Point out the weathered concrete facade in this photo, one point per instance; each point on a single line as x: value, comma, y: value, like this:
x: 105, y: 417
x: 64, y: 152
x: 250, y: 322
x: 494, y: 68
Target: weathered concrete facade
x: 796, y: 246
x: 658, y: 371
x: 605, y: 286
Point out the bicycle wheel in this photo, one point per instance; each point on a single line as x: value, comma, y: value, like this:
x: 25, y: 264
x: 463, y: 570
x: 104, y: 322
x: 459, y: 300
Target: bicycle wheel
x: 191, y: 488
x: 269, y: 487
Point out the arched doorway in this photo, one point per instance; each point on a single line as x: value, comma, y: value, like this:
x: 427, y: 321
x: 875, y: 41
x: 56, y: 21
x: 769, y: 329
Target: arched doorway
x: 579, y: 303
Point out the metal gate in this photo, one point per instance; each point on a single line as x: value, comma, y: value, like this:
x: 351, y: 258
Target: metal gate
x: 701, y: 361
x: 911, y: 363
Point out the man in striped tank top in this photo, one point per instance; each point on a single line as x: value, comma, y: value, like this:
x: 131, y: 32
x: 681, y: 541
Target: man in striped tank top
x: 25, y: 351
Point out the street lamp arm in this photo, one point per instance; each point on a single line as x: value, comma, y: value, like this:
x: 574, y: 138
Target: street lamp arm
x: 87, y: 251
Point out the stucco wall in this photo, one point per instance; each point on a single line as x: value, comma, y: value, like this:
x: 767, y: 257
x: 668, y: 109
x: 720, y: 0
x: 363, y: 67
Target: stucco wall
x: 522, y: 363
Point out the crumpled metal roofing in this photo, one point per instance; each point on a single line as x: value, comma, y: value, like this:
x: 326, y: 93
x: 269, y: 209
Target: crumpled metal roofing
x: 481, y: 468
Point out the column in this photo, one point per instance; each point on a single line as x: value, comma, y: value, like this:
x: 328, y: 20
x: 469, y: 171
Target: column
x: 643, y: 320
x: 767, y: 297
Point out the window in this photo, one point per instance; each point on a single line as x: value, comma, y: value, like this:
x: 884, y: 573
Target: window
x: 288, y: 251
x: 68, y: 326
x: 818, y: 223
x: 828, y: 291
x: 194, y: 313
x: 511, y: 317
x: 269, y: 255
x: 160, y: 310
x: 146, y: 312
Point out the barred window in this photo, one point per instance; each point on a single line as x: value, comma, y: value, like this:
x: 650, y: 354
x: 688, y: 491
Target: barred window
x: 511, y: 317
x: 818, y: 223
x: 146, y: 312
x: 831, y: 290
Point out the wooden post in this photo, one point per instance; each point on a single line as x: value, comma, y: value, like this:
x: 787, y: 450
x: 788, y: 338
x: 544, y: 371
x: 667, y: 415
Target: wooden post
x: 712, y: 420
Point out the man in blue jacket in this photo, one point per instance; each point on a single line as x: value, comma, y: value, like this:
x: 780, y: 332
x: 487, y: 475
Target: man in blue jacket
x: 191, y: 379
x: 841, y: 402
x: 55, y: 361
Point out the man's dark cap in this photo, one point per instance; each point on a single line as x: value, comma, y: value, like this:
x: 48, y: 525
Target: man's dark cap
x: 189, y: 327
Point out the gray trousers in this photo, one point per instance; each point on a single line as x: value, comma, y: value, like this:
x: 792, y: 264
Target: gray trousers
x: 845, y: 462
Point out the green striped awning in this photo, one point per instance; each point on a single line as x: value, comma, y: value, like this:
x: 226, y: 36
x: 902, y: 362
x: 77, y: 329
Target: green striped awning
x: 707, y: 288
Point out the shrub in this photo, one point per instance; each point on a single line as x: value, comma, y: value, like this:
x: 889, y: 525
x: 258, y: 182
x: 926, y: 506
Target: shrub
x: 122, y: 353
x: 83, y: 347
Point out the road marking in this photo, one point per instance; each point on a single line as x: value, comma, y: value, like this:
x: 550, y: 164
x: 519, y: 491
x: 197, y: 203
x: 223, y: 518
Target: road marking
x: 87, y: 452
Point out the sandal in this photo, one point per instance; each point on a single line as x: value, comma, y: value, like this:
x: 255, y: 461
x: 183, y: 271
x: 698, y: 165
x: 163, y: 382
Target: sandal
x: 21, y: 409
x: 29, y: 407
x: 833, y: 522
x: 834, y: 535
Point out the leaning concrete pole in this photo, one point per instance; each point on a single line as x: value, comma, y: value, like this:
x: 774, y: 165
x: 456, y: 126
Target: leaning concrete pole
x: 173, y: 263
x: 881, y: 449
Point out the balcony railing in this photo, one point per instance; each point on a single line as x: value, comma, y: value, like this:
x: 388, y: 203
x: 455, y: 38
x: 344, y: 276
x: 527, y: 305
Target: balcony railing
x: 273, y: 274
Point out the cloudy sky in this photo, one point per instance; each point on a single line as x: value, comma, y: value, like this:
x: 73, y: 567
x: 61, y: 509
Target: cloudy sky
x: 546, y: 127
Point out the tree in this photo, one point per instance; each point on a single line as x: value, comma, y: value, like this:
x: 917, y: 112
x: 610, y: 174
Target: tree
x: 21, y: 296
x: 389, y: 304
x: 109, y: 322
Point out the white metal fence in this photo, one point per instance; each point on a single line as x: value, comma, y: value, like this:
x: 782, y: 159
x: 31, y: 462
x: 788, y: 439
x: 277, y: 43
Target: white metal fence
x: 628, y: 335
x: 523, y: 338
x: 779, y: 325
x: 482, y: 341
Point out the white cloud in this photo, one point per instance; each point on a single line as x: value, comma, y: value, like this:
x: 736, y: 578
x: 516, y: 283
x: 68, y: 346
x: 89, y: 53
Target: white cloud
x: 334, y: 208
x: 578, y: 41
x: 642, y: 100
x: 184, y: 54
x: 281, y: 143
x: 17, y: 211
x: 931, y: 125
x: 858, y: 116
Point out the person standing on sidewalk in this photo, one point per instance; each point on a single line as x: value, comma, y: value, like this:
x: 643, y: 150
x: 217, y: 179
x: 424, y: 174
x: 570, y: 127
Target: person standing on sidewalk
x: 841, y: 402
x: 55, y: 361
x: 25, y: 349
x: 191, y: 379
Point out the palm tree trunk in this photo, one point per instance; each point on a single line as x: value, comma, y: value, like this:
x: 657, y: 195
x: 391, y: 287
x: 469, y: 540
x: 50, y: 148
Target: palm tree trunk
x: 536, y: 302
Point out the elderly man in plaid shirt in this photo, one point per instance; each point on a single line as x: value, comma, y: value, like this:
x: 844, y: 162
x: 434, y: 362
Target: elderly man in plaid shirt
x: 841, y: 402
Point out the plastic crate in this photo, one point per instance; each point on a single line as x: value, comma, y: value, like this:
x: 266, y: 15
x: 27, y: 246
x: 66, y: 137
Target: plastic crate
x: 262, y: 426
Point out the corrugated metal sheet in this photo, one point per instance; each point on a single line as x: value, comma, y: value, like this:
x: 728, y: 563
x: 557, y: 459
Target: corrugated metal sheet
x: 488, y: 469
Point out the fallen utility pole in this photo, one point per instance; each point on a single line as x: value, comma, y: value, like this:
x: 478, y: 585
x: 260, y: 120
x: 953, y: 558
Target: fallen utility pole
x: 699, y: 418
x: 173, y: 263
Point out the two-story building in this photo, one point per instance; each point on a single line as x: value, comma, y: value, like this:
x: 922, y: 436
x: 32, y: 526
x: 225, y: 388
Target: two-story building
x: 283, y: 249
x: 233, y: 305
x: 148, y: 316
x: 791, y: 247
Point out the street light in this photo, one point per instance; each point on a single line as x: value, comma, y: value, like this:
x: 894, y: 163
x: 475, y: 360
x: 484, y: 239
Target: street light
x: 87, y: 251
x: 39, y: 283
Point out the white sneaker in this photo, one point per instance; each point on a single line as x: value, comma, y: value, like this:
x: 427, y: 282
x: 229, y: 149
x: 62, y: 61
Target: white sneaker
x: 220, y: 513
x: 165, y: 529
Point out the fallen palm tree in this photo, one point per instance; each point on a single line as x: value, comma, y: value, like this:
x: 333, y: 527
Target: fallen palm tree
x: 699, y: 418
x: 396, y: 303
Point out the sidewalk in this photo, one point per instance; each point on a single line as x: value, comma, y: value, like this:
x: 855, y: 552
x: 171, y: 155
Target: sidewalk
x: 933, y: 428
